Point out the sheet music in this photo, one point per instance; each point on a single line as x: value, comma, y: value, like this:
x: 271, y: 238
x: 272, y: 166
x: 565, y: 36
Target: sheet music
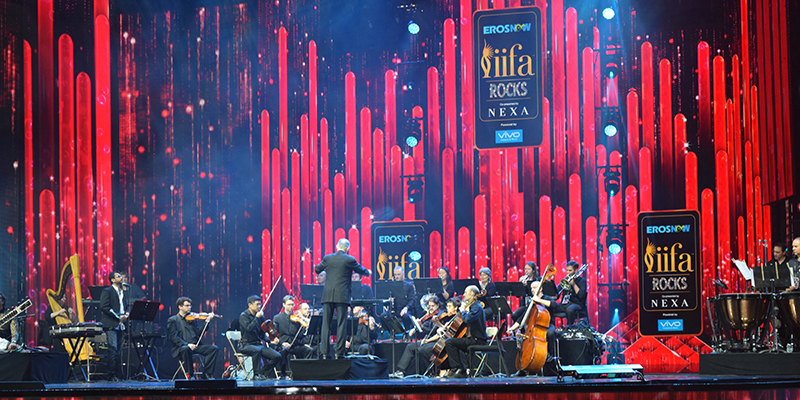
x: 746, y: 271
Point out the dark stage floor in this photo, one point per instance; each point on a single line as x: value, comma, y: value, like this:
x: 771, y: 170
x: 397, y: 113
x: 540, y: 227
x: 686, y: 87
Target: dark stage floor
x: 662, y: 386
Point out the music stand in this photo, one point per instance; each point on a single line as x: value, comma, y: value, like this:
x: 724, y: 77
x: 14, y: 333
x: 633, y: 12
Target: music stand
x: 145, y: 311
x: 312, y: 293
x: 510, y: 289
x: 355, y: 290
x: 500, y: 308
x: 461, y: 284
x: 769, y: 277
x: 428, y: 286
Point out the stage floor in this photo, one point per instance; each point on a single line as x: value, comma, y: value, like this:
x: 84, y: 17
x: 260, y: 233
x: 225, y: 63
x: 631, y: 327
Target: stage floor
x: 662, y: 386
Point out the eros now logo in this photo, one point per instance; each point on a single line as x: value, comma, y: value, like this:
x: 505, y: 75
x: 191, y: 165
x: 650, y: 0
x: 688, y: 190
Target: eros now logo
x: 394, y: 238
x: 507, y: 28
x: 668, y: 229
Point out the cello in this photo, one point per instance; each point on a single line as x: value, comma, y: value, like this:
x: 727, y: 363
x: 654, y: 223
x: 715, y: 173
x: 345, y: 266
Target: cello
x: 533, y: 351
x: 455, y: 328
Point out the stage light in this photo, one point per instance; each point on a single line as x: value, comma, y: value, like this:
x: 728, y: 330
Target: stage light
x: 412, y: 140
x: 413, y: 28
x: 612, y: 70
x: 611, y: 129
x: 413, y: 132
x: 415, y: 190
x: 612, y: 183
x: 608, y: 13
x: 611, y: 121
x: 614, y: 240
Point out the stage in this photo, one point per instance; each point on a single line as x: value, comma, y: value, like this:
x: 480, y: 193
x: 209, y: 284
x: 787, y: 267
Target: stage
x: 672, y: 386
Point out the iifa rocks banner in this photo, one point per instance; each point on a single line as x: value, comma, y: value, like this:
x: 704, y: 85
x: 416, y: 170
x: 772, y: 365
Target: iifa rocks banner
x: 508, y: 78
x: 399, y: 244
x: 669, y: 273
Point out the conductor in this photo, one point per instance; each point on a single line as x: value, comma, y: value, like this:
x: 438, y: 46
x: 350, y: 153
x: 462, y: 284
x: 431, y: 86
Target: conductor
x: 338, y: 267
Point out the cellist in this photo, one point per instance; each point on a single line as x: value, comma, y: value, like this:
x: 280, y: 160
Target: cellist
x: 253, y: 337
x: 552, y: 306
x: 475, y: 321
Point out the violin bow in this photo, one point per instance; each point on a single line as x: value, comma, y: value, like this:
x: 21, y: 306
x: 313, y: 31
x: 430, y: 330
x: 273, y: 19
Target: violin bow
x: 270, y: 293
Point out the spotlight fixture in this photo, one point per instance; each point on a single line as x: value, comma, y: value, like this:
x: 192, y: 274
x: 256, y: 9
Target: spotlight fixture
x: 613, y: 183
x: 413, y: 132
x: 612, y: 70
x: 611, y: 129
x: 413, y: 28
x: 608, y: 13
x: 611, y: 121
x: 614, y: 239
x: 415, y: 190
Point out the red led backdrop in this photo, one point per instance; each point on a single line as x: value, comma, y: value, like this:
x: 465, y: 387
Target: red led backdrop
x: 210, y: 149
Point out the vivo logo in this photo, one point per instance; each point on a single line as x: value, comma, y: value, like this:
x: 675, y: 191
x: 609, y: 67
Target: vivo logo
x: 670, y: 325
x: 508, y: 136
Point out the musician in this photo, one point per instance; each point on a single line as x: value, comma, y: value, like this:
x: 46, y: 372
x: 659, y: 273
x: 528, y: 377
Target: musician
x: 336, y: 295
x: 448, y: 289
x: 292, y: 335
x: 475, y: 321
x: 794, y: 264
x: 364, y: 291
x: 185, y: 337
x: 405, y: 304
x: 365, y: 334
x: 253, y: 338
x: 113, y: 316
x: 549, y: 288
x: 429, y: 327
x: 486, y: 284
x: 50, y: 321
x: 9, y: 330
x: 321, y: 278
x: 574, y: 293
x: 552, y: 307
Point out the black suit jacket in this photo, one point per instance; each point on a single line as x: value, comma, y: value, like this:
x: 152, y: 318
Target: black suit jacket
x: 287, y: 329
x: 109, y: 307
x: 339, y: 268
x: 580, y: 297
x: 181, y: 332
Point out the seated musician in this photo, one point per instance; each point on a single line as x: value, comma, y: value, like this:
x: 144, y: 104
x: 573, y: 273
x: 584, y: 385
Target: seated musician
x: 50, y: 321
x: 794, y: 264
x: 448, y: 288
x: 475, y: 321
x: 361, y: 342
x: 9, y: 330
x: 486, y: 284
x: 113, y: 317
x: 365, y: 291
x: 253, y: 338
x: 573, y: 296
x: 424, y: 347
x: 292, y: 329
x: 185, y: 336
x: 549, y: 288
x: 552, y: 307
x: 402, y: 307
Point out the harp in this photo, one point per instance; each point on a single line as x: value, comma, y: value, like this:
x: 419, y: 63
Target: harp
x: 69, y: 276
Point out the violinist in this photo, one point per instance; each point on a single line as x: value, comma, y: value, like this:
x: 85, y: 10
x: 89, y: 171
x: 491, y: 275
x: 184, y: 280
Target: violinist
x: 253, y: 337
x: 112, y: 308
x: 573, y: 296
x: 429, y: 326
x: 361, y: 342
x: 292, y: 329
x: 475, y: 321
x: 185, y: 334
x: 552, y: 307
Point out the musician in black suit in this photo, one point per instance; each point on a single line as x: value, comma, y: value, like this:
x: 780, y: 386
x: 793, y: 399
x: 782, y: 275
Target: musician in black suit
x: 253, y: 338
x: 402, y: 307
x: 339, y: 268
x: 365, y: 334
x: 574, y: 293
x: 113, y: 316
x: 292, y: 335
x: 521, y: 323
x: 474, y: 320
x: 184, y: 336
x: 364, y: 291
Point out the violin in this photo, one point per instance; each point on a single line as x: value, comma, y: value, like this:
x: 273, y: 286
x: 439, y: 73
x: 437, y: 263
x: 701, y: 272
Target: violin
x: 269, y: 328
x: 300, y: 320
x: 200, y: 316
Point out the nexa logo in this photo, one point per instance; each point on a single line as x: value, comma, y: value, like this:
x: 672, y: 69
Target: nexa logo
x: 667, y: 325
x: 508, y: 28
x: 394, y: 239
x: 668, y: 229
x: 508, y: 136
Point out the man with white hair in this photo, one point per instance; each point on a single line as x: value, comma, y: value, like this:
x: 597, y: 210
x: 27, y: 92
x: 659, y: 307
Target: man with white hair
x: 339, y: 268
x: 794, y: 264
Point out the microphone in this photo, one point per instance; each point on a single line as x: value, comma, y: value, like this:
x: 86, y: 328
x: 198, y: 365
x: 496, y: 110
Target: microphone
x: 719, y: 283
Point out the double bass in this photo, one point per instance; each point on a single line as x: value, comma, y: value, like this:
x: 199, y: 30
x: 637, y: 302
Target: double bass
x: 533, y: 350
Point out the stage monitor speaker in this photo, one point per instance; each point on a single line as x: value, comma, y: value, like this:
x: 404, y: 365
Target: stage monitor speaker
x: 21, y: 385
x: 575, y: 352
x: 219, y: 384
x: 320, y: 370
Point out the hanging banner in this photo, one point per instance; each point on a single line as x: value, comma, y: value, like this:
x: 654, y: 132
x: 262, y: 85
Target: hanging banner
x: 670, y: 273
x: 399, y: 244
x: 508, y: 78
